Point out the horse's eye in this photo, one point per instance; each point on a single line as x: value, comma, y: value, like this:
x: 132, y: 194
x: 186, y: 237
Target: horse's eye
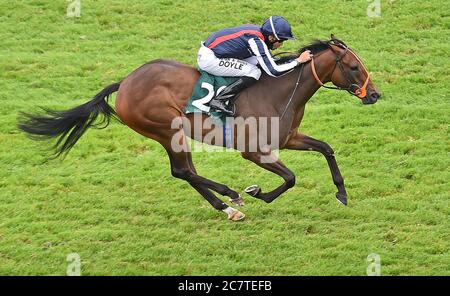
x: 354, y: 68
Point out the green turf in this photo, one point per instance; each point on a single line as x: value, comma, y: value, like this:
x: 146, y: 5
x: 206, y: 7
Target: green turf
x: 114, y: 202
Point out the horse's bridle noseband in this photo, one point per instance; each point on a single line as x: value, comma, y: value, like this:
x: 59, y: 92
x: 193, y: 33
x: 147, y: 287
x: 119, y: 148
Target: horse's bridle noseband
x: 353, y: 88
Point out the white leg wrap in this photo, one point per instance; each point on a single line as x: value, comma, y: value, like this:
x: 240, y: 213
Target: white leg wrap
x: 234, y: 214
x: 229, y: 211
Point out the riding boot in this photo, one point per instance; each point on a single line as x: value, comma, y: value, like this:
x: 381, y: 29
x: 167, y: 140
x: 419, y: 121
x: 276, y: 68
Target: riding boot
x: 229, y: 94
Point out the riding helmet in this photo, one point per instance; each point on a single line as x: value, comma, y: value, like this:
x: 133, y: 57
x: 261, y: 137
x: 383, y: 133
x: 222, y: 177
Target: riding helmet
x: 278, y: 27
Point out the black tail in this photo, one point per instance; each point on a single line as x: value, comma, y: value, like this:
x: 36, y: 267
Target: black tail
x: 68, y: 126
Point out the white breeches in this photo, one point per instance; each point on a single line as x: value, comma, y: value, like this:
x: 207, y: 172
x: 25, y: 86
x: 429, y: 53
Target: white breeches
x: 207, y: 61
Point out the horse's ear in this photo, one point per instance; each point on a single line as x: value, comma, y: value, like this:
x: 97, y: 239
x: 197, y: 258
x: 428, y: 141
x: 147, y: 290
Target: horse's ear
x: 332, y: 37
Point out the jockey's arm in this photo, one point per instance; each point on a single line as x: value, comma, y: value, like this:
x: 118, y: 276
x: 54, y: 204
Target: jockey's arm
x: 262, y: 53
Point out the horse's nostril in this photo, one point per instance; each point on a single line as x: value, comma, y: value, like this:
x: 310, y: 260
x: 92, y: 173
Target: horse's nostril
x: 375, y: 95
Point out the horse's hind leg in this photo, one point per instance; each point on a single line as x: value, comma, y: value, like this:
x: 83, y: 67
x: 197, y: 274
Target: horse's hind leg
x: 217, y: 187
x: 303, y: 142
x: 182, y: 168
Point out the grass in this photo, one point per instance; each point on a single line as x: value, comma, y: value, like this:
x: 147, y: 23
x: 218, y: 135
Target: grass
x: 114, y: 202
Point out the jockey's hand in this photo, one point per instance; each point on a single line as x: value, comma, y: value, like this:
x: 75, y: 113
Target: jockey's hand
x: 304, y: 57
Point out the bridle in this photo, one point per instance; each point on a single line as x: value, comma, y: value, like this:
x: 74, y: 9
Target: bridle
x: 353, y: 88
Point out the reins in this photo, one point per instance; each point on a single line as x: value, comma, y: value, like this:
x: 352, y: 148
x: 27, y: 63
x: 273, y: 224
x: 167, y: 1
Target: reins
x: 300, y: 74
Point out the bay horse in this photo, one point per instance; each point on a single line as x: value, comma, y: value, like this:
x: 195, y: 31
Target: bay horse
x: 154, y: 95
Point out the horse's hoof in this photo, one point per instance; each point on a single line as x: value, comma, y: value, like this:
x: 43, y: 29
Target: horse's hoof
x: 238, y: 201
x: 238, y: 216
x: 253, y: 190
x: 234, y: 215
x: 342, y: 198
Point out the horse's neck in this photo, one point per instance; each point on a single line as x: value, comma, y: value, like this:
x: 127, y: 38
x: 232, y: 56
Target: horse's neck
x: 280, y: 97
x: 308, y: 85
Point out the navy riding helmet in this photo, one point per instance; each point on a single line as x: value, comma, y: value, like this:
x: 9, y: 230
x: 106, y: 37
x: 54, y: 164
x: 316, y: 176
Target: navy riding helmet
x: 278, y: 27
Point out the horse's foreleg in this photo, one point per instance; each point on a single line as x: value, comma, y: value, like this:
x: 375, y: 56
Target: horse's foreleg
x: 275, y: 166
x: 303, y: 142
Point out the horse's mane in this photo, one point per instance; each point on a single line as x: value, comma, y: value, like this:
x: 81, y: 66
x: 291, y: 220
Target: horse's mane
x: 315, y: 47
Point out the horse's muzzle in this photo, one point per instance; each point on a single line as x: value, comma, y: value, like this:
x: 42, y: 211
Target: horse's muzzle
x: 371, y: 97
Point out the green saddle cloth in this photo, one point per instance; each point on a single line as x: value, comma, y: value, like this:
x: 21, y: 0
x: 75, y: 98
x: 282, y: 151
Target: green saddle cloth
x: 207, y: 87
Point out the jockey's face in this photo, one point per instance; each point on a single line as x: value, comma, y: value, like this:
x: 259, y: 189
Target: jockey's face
x: 274, y: 43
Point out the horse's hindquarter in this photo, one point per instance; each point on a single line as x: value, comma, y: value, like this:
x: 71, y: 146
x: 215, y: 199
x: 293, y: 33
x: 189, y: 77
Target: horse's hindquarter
x: 155, y: 94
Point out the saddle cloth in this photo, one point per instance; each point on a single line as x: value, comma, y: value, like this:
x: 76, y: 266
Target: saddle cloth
x: 207, y: 87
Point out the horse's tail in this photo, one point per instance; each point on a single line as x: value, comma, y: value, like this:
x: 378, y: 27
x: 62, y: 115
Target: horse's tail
x: 69, y: 125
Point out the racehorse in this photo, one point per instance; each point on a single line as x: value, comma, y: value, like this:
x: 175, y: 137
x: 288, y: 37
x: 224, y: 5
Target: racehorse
x: 153, y: 97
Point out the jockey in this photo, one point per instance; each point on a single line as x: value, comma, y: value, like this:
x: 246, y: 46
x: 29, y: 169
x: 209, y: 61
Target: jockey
x: 238, y: 51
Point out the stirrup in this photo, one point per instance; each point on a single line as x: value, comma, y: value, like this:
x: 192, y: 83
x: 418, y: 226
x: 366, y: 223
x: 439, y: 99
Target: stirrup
x: 222, y: 108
